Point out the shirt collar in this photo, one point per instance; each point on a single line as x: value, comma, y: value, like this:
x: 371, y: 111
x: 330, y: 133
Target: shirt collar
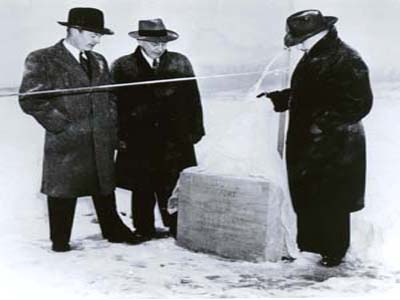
x: 147, y: 58
x: 74, y: 51
x: 312, y: 41
x: 327, y: 42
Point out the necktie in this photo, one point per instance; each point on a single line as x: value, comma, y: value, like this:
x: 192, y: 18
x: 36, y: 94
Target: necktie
x: 84, y: 63
x: 156, y: 63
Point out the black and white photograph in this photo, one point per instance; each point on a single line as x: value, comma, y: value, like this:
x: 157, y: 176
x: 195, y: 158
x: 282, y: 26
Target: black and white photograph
x: 199, y: 149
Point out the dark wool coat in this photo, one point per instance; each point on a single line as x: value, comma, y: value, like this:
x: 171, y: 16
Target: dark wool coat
x: 160, y: 123
x: 81, y: 129
x: 330, y: 89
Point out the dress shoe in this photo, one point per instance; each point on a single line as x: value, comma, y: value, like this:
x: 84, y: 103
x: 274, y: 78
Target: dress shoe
x: 60, y: 247
x: 116, y: 239
x: 288, y: 258
x: 330, y: 261
x: 123, y: 235
x: 132, y: 238
x: 156, y: 234
x: 161, y: 234
x: 137, y: 238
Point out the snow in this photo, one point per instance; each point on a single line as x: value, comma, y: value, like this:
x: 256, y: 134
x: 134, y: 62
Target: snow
x: 159, y: 268
x: 377, y: 226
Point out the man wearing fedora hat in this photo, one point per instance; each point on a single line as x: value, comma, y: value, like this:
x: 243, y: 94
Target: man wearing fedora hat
x: 329, y: 95
x: 158, y: 124
x: 81, y: 128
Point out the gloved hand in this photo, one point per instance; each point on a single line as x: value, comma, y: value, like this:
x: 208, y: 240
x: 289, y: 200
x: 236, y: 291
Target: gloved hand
x: 269, y: 94
x: 280, y: 99
x: 315, y: 130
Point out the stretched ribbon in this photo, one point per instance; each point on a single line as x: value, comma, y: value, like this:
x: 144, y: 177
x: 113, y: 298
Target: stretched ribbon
x: 109, y: 87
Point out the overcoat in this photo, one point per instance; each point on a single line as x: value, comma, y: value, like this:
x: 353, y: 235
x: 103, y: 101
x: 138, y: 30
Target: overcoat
x: 159, y: 123
x: 81, y: 129
x: 330, y: 90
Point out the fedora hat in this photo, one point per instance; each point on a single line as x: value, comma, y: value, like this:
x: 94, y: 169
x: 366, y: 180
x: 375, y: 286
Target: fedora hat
x: 153, y: 31
x: 87, y: 18
x: 304, y: 24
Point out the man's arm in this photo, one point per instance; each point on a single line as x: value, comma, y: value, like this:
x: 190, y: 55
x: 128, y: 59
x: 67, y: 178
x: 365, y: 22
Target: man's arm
x: 117, y: 77
x: 35, y: 78
x: 349, y: 87
x: 197, y: 129
x: 112, y: 97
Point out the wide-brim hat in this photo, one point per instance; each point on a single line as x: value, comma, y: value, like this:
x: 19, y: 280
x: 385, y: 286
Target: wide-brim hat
x: 86, y: 18
x: 153, y: 31
x: 304, y: 24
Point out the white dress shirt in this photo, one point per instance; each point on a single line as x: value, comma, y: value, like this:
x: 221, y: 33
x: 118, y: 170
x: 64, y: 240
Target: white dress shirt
x: 74, y: 51
x: 148, y: 58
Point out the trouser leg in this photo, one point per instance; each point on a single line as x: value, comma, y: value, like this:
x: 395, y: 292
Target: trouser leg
x: 165, y: 188
x: 111, y: 225
x: 173, y: 225
x: 336, y: 233
x: 163, y: 195
x: 61, y: 216
x: 308, y: 230
x: 143, y: 203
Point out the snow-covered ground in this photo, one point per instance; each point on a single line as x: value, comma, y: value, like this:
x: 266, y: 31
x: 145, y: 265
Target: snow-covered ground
x: 161, y: 269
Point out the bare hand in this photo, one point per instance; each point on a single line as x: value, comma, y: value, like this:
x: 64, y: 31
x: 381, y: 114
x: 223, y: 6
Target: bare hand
x: 122, y: 146
x: 315, y: 129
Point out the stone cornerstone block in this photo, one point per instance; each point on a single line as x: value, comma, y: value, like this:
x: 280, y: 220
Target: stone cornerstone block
x: 234, y: 217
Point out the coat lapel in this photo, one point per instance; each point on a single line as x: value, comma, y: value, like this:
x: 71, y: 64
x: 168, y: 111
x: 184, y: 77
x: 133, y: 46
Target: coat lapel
x: 162, y: 72
x: 96, y: 69
x: 71, y: 65
x: 145, y: 69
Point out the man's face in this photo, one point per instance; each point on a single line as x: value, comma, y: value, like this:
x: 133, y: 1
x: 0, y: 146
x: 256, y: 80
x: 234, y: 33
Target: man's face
x: 307, y: 44
x: 85, y: 40
x: 153, y: 49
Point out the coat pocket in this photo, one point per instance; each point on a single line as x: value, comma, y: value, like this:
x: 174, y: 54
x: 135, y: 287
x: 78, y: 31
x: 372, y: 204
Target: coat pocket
x: 67, y: 140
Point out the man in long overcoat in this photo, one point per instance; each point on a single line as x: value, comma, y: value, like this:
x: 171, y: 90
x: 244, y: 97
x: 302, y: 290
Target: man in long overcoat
x: 329, y: 95
x: 81, y: 129
x: 158, y: 124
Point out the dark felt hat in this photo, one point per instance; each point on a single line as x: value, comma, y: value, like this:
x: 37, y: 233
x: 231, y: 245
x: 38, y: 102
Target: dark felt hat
x: 304, y: 24
x: 153, y: 31
x: 87, y: 18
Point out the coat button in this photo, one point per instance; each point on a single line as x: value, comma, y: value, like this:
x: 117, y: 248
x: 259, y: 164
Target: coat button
x: 156, y: 124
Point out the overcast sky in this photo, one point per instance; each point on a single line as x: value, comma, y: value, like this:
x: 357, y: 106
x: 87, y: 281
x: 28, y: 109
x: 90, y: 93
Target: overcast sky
x: 212, y: 32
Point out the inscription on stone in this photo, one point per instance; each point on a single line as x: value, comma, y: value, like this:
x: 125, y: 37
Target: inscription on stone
x: 229, y: 216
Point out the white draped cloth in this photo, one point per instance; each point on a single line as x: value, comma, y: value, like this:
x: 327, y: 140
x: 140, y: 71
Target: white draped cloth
x: 241, y: 141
